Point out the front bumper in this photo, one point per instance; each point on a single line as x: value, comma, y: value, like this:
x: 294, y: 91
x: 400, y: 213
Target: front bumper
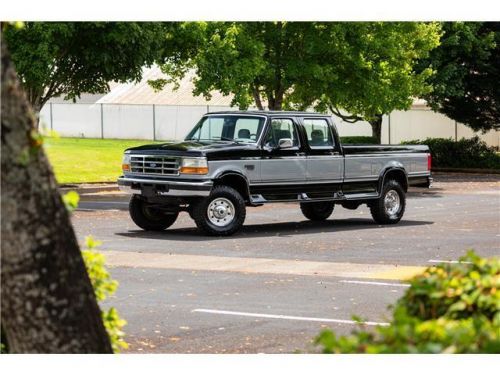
x: 167, y: 188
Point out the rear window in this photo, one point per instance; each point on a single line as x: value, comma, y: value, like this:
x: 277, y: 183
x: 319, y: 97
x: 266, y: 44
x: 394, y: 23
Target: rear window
x: 319, y: 134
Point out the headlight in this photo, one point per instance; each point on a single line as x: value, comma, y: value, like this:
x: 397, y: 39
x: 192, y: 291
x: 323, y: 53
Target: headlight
x: 126, y: 163
x: 194, y: 166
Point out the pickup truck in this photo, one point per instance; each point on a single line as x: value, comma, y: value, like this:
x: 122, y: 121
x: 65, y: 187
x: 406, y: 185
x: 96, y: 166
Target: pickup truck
x: 232, y: 160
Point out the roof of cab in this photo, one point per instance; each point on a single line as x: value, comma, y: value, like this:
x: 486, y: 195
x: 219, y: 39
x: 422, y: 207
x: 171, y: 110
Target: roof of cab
x: 270, y: 113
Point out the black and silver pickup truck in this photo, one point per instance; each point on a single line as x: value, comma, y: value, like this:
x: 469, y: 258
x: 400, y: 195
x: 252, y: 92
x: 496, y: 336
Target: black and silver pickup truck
x: 231, y: 160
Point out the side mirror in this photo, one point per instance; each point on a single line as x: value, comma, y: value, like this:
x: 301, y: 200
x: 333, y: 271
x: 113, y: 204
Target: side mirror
x: 285, y: 143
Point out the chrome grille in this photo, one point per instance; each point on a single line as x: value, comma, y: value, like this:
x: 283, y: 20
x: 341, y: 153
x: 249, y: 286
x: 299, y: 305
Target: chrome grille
x: 152, y: 164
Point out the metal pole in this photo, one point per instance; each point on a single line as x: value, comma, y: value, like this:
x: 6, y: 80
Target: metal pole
x: 456, y: 132
x: 208, y: 108
x: 154, y: 123
x: 389, y: 127
x: 51, y: 118
x: 102, y: 122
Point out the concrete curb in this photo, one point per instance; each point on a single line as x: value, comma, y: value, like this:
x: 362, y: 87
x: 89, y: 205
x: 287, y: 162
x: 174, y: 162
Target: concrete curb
x: 89, y: 188
x: 466, y: 170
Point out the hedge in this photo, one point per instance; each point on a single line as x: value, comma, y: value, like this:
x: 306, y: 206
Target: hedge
x: 450, y: 308
x: 465, y: 153
x: 358, y: 140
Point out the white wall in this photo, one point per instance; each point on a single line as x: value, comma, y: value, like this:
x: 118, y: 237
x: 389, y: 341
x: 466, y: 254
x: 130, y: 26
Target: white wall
x: 174, y: 122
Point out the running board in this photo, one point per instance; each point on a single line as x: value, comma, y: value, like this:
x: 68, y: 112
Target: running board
x: 302, y: 197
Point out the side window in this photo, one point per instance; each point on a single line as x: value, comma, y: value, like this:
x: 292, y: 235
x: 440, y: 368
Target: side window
x: 247, y: 129
x: 281, y: 128
x: 318, y: 133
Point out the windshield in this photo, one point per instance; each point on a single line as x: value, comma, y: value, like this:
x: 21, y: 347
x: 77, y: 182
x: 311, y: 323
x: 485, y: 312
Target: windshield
x: 227, y: 128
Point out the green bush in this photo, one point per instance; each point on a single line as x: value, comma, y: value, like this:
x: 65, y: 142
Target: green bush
x: 104, y: 287
x: 450, y: 308
x: 358, y: 140
x: 465, y: 153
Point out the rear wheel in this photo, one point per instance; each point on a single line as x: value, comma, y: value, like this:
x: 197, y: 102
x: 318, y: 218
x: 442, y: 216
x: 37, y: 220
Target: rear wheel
x: 149, y: 217
x: 317, y: 211
x: 390, y: 207
x: 220, y: 214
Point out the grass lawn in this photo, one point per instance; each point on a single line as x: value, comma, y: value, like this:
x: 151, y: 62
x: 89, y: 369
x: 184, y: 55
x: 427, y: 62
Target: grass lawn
x: 77, y: 160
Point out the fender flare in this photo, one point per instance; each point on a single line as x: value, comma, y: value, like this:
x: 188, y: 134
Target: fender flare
x: 234, y: 173
x: 396, y: 167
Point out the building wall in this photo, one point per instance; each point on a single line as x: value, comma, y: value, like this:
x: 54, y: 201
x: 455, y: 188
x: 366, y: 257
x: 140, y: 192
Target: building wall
x: 160, y: 122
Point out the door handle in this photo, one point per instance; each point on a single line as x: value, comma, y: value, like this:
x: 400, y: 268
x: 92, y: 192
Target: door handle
x: 300, y: 153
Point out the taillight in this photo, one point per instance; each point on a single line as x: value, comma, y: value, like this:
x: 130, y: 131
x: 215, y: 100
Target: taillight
x: 429, y: 162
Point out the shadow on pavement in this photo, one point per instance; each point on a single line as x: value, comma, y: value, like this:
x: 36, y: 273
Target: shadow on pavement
x: 272, y: 230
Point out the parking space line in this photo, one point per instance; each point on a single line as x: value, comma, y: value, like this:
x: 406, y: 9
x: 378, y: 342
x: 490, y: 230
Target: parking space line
x: 288, y: 317
x: 372, y: 283
x: 260, y: 265
x: 447, y: 261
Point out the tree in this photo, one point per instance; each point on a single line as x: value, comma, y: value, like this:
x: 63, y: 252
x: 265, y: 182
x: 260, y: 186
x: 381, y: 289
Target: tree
x: 48, y: 304
x: 369, y: 71
x: 70, y: 58
x: 467, y: 65
x: 363, y: 68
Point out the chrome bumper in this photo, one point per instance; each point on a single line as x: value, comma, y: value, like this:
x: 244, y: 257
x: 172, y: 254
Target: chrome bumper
x: 167, y: 188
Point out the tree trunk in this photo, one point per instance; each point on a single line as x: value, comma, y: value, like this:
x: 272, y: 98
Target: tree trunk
x: 376, y: 124
x: 48, y: 304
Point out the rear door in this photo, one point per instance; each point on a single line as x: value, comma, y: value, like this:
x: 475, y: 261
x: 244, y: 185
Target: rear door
x: 283, y: 165
x: 325, y: 164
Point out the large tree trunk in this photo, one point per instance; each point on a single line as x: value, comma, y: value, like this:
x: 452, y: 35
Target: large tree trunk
x: 48, y: 304
x: 376, y: 124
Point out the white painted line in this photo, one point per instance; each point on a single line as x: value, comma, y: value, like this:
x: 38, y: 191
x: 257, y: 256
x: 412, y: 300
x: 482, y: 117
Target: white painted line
x: 447, y: 261
x: 287, y: 317
x: 373, y: 283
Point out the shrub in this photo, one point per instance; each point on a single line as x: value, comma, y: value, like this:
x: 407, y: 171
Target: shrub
x: 104, y: 287
x: 358, y: 140
x: 452, y: 308
x: 465, y: 153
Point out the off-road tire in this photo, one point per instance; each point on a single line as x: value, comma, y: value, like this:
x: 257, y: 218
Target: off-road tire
x: 200, y: 212
x: 378, y: 208
x: 317, y: 211
x: 148, y: 218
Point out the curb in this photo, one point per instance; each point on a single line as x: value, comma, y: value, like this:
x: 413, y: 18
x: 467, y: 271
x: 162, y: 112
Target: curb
x: 88, y: 188
x: 466, y: 170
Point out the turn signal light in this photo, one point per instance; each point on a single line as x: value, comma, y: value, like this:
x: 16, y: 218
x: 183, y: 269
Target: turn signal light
x: 194, y: 170
x: 126, y: 167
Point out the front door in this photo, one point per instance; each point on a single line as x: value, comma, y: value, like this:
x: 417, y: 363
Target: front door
x: 283, y: 165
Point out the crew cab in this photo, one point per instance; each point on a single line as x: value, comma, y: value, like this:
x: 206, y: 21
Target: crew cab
x: 232, y: 160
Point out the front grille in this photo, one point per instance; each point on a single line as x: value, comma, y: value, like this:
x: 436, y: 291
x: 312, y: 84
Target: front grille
x: 157, y: 165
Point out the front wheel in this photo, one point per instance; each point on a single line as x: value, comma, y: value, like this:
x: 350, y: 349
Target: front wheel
x: 220, y: 214
x: 317, y: 211
x: 149, y: 217
x: 390, y: 207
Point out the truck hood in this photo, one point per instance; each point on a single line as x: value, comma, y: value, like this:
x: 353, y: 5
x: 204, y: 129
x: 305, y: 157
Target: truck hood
x: 192, y: 148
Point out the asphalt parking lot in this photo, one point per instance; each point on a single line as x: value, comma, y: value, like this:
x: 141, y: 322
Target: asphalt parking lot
x: 273, y: 286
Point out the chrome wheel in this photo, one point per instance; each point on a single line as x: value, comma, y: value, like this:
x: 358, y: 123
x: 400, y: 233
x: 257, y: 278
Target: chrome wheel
x: 221, y: 212
x: 392, y: 202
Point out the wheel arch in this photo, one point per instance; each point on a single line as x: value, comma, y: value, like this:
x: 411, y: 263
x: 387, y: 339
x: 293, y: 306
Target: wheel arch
x: 396, y: 172
x: 236, y: 180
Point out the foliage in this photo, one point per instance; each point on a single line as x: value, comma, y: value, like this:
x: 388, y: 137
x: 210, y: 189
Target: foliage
x: 467, y: 74
x: 71, y: 200
x: 450, y: 308
x: 104, y: 287
x: 77, y: 160
x: 70, y: 58
x: 465, y: 153
x: 369, y: 69
x: 363, y: 67
x: 358, y: 140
